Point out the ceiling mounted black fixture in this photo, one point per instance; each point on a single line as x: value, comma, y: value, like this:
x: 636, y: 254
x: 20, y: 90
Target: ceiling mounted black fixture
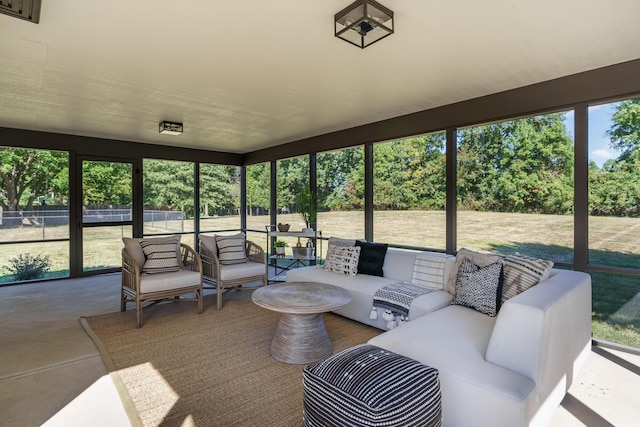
x: 29, y: 10
x: 170, y: 128
x: 363, y: 23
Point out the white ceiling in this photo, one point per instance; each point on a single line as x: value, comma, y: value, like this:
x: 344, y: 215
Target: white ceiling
x: 246, y: 75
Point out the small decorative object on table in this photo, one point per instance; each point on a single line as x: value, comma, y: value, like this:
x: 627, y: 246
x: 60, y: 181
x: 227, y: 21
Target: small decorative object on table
x: 280, y: 247
x: 283, y: 227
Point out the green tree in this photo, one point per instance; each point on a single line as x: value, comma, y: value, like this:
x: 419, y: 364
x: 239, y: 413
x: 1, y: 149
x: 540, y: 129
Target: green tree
x: 258, y: 189
x: 625, y: 131
x: 337, y: 177
x: 106, y: 183
x: 28, y: 174
x: 524, y: 165
x: 168, y: 185
x: 614, y: 189
x: 293, y: 177
x: 410, y: 173
x: 219, y: 189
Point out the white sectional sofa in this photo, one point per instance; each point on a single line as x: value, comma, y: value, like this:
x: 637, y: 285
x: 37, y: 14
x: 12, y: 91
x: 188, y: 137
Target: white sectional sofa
x: 510, y: 370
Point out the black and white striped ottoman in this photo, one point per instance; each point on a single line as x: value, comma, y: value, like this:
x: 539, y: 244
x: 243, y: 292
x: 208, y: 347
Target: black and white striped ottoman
x: 369, y: 386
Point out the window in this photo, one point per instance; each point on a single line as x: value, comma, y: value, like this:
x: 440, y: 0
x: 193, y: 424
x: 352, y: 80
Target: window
x: 258, y: 201
x: 515, y: 187
x: 106, y: 201
x: 34, y: 214
x: 340, y: 189
x: 614, y: 219
x: 219, y: 197
x: 168, y: 198
x: 292, y: 181
x: 409, y: 191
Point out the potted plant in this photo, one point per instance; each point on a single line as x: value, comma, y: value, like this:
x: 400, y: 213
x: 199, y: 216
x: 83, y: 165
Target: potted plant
x: 307, y: 208
x: 279, y: 245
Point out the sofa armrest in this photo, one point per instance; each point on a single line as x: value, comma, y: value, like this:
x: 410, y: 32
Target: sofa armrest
x: 542, y: 332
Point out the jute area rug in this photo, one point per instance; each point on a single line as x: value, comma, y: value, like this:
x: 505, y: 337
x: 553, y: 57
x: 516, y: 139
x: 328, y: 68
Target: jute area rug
x: 213, y: 369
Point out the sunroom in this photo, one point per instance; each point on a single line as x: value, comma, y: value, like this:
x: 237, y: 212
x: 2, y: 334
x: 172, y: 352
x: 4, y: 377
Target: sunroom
x: 502, y: 128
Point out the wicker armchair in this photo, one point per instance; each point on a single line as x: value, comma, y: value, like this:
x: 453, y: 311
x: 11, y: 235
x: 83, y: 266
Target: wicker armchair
x: 154, y: 288
x: 221, y: 277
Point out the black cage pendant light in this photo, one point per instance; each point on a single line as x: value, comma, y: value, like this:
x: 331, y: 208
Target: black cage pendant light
x: 363, y: 23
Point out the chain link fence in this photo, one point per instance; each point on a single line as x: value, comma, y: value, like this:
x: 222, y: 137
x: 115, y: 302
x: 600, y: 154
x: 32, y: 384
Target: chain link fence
x: 49, y: 218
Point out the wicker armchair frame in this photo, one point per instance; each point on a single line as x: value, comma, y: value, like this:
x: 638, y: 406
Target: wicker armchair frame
x: 211, y: 270
x: 131, y: 284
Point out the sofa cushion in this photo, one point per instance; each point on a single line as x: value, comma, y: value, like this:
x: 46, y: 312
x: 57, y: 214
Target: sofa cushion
x: 161, y: 255
x: 479, y: 287
x: 371, y: 258
x: 367, y: 385
x: 398, y: 265
x: 231, y: 249
x: 163, y: 282
x: 522, y: 272
x: 477, y: 258
x: 343, y: 260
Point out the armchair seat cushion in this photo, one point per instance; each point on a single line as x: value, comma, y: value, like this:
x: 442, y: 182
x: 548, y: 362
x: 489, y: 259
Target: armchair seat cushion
x: 238, y: 271
x: 166, y: 281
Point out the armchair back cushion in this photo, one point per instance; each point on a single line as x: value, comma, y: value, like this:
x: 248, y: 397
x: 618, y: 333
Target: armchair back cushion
x: 209, y: 242
x: 133, y: 248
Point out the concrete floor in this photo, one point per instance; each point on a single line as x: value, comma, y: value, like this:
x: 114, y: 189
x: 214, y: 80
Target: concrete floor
x: 51, y: 373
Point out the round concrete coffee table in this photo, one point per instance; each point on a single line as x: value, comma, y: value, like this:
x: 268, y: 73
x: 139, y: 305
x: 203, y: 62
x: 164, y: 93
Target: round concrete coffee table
x: 301, y: 337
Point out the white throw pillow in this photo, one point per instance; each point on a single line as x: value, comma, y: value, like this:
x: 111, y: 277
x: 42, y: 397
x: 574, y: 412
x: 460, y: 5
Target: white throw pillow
x: 343, y: 260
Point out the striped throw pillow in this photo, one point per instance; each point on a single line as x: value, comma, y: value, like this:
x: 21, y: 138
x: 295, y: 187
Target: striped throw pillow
x: 161, y: 255
x: 522, y: 272
x: 429, y: 269
x: 231, y: 249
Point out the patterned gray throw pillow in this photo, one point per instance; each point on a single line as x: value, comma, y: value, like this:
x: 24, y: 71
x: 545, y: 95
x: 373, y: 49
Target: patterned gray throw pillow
x: 478, y: 287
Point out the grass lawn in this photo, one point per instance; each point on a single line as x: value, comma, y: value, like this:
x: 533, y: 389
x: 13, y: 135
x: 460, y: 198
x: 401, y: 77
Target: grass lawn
x: 613, y: 242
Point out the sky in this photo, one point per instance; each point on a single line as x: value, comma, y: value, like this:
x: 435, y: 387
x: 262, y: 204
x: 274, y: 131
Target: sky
x: 599, y: 123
